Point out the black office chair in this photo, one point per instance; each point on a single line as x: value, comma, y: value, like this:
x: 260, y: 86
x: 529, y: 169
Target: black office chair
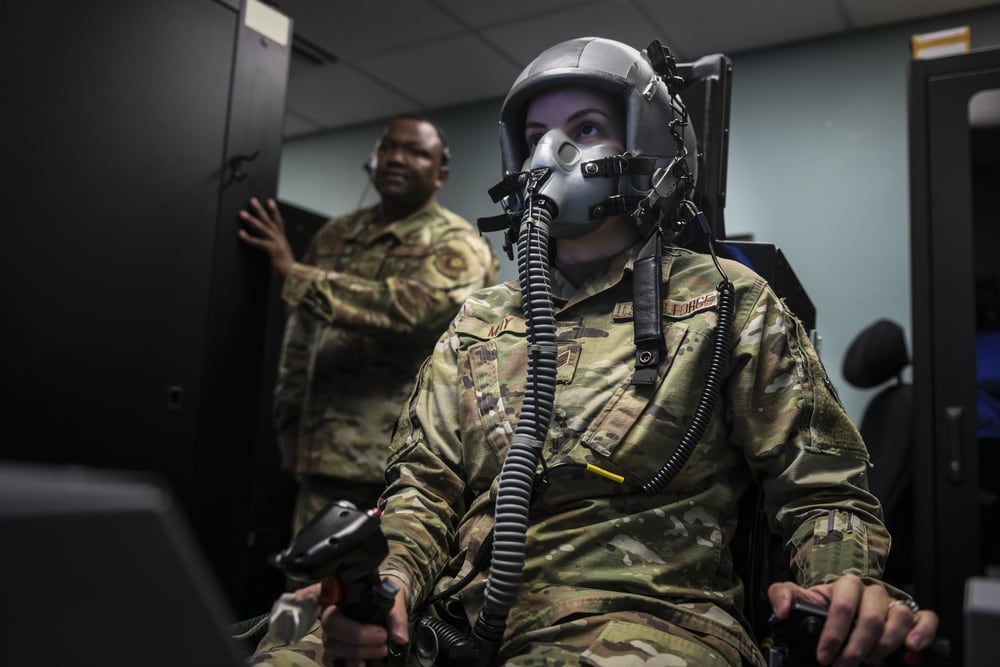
x: 878, y: 355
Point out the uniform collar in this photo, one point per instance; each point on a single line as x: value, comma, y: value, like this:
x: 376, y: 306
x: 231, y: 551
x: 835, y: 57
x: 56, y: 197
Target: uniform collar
x: 617, y: 268
x: 610, y: 275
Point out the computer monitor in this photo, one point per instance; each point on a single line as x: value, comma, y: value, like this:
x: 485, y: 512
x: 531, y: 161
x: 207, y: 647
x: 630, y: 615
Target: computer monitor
x: 99, y: 568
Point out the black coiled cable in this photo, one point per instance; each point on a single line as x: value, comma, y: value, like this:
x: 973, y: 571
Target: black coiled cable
x: 709, y: 393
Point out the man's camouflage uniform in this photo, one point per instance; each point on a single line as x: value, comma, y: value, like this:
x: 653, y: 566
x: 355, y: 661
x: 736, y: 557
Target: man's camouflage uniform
x: 367, y: 304
x: 609, y: 571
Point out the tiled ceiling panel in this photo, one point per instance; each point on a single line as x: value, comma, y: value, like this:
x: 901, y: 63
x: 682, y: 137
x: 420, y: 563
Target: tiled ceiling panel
x: 480, y: 14
x: 336, y: 95
x: 397, y: 56
x: 865, y: 13
x: 449, y: 71
x: 723, y: 26
x: 359, y: 29
x: 616, y: 20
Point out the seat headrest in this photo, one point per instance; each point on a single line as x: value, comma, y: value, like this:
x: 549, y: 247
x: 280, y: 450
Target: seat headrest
x: 878, y: 353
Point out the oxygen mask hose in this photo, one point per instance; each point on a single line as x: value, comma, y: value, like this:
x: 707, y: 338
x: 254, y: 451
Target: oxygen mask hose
x: 517, y: 476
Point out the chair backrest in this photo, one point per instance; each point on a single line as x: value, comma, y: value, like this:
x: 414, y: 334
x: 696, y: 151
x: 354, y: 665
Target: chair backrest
x: 706, y: 93
x: 878, y: 354
x: 887, y: 428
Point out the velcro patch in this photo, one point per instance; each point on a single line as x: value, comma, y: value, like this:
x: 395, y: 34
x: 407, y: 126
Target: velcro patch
x: 567, y: 358
x: 675, y: 310
x: 485, y: 330
x: 451, y: 264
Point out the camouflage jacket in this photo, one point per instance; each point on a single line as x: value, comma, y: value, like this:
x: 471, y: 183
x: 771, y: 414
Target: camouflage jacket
x: 599, y: 545
x: 367, y: 305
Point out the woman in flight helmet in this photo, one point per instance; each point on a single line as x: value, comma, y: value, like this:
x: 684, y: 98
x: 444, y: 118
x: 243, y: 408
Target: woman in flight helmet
x: 593, y: 524
x: 646, y: 178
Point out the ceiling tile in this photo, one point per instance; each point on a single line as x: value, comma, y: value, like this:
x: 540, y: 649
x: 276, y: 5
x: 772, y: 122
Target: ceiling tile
x: 298, y: 68
x: 722, y: 26
x: 399, y: 56
x: 524, y: 40
x: 445, y: 73
x: 357, y: 29
x: 336, y: 95
x: 296, y: 126
x: 865, y: 13
x: 480, y: 14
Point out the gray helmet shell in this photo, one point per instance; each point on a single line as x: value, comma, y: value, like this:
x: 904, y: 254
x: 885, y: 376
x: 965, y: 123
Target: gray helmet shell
x: 625, y: 72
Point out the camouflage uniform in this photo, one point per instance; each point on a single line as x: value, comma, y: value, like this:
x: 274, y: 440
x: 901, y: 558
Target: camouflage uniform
x: 609, y: 571
x: 367, y: 305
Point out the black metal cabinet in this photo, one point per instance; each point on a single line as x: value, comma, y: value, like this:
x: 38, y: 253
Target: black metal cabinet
x: 134, y: 132
x: 954, y: 258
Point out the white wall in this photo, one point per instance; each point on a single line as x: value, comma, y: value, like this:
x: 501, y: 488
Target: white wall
x: 817, y: 165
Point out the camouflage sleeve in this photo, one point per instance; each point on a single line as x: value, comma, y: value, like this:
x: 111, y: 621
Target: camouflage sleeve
x: 290, y: 386
x: 804, y: 449
x: 292, y: 380
x: 425, y: 482
x: 421, y: 302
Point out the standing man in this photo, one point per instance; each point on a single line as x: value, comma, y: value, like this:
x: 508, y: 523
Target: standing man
x: 375, y: 290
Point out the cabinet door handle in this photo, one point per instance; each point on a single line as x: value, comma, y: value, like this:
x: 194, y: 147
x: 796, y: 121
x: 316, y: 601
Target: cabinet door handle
x: 953, y: 414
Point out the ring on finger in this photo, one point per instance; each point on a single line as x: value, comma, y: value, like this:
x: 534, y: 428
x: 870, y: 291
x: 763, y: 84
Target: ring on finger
x: 909, y: 604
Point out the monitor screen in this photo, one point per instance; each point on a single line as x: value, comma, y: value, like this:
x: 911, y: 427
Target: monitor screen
x: 99, y: 568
